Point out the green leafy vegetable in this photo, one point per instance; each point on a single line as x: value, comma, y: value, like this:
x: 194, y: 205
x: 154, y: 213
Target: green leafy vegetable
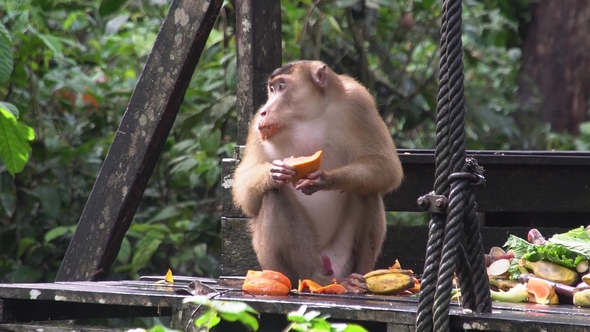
x: 576, y: 240
x: 566, y: 249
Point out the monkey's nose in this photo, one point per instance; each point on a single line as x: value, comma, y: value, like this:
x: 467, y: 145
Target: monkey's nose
x: 263, y: 113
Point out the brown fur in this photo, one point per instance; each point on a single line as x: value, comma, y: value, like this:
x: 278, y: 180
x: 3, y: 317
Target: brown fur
x: 343, y: 217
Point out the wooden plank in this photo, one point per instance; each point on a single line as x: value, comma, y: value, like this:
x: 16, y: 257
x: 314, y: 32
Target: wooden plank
x: 517, y: 182
x: 237, y: 255
x: 258, y: 38
x: 57, y: 327
x: 408, y: 244
x: 387, y: 312
x: 24, y: 310
x: 139, y: 140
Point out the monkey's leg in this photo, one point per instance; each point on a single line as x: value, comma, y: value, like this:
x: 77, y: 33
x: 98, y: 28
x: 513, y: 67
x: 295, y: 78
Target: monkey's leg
x: 370, y: 235
x: 284, y: 239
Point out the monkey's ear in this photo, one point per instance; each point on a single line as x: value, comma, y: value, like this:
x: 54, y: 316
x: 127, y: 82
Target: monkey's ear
x: 320, y: 76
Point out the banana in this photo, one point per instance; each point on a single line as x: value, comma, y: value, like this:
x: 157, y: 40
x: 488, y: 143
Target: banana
x: 387, y: 281
x: 550, y: 271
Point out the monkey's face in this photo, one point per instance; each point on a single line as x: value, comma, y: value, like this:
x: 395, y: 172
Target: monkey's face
x: 292, y: 100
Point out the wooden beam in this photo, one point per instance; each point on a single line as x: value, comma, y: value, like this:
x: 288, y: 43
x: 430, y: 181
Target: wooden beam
x: 139, y: 140
x: 258, y: 37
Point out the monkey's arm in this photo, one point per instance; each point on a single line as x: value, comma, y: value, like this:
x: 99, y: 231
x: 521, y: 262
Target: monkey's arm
x: 373, y: 165
x: 250, y: 183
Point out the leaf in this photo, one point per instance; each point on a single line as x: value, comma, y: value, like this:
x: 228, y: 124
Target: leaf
x: 57, y: 232
x: 250, y: 321
x: 202, y: 300
x: 14, y: 148
x: 335, y: 25
x: 210, y: 142
x: 297, y: 316
x: 6, y: 57
x: 146, y: 247
x: 576, y: 240
x: 585, y: 128
x: 353, y: 328
x: 25, y: 274
x: 7, y: 203
x: 108, y: 7
x: 231, y: 307
x: 208, y: 320
x: 346, y: 3
x: 24, y: 244
x: 53, y: 43
x: 11, y: 108
x: 166, y: 213
x: 125, y: 251
x: 50, y: 200
x: 115, y: 23
x: 427, y: 4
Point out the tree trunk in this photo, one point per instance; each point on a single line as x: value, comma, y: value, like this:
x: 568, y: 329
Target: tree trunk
x: 555, y: 72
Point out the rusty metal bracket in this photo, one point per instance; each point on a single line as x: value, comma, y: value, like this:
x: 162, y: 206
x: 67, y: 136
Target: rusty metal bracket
x: 433, y: 203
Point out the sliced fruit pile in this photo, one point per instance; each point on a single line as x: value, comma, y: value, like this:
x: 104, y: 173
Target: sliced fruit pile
x: 391, y: 281
x: 540, y: 270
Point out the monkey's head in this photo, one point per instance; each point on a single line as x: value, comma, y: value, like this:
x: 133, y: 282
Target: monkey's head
x: 296, y: 95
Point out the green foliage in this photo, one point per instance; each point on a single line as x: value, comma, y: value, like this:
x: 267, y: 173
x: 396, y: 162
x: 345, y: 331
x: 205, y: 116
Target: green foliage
x: 14, y: 138
x: 303, y: 320
x: 233, y: 311
x: 75, y: 67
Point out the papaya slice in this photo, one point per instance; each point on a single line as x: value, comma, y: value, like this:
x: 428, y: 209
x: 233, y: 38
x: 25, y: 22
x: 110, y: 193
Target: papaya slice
x: 310, y: 286
x: 305, y: 165
x: 266, y: 282
x: 541, y: 292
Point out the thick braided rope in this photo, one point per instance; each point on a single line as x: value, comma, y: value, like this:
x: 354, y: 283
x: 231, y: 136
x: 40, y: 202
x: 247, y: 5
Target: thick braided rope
x: 441, y: 187
x: 463, y: 270
x: 451, y: 246
x: 475, y: 250
x: 458, y: 194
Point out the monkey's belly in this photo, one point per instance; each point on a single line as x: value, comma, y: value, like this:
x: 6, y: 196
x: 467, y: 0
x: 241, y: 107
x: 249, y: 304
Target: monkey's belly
x: 333, y: 216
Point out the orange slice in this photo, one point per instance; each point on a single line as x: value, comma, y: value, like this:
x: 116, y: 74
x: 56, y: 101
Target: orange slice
x: 305, y: 165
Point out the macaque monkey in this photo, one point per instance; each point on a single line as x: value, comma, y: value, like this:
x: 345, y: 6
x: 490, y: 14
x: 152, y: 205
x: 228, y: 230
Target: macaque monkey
x: 330, y: 224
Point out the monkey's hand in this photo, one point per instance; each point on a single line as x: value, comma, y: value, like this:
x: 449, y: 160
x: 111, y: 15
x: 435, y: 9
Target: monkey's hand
x: 281, y: 173
x: 314, y: 182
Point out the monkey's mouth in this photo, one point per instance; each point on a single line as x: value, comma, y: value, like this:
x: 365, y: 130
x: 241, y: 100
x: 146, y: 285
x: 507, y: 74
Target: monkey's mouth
x: 268, y: 130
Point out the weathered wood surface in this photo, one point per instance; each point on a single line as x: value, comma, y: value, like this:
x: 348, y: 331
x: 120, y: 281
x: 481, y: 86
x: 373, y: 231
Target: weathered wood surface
x: 408, y: 244
x: 21, y: 302
x: 139, y: 140
x: 258, y: 39
x: 56, y: 327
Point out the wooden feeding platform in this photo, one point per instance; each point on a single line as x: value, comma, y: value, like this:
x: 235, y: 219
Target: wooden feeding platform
x: 51, y: 306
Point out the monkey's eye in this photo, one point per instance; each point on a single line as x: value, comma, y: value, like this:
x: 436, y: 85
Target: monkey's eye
x: 282, y: 86
x: 271, y: 88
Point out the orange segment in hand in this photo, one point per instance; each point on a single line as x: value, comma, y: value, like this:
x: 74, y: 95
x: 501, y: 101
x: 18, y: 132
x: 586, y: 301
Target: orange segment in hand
x: 305, y: 165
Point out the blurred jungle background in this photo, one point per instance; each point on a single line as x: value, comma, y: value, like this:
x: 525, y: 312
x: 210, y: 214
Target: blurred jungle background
x: 68, y: 68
